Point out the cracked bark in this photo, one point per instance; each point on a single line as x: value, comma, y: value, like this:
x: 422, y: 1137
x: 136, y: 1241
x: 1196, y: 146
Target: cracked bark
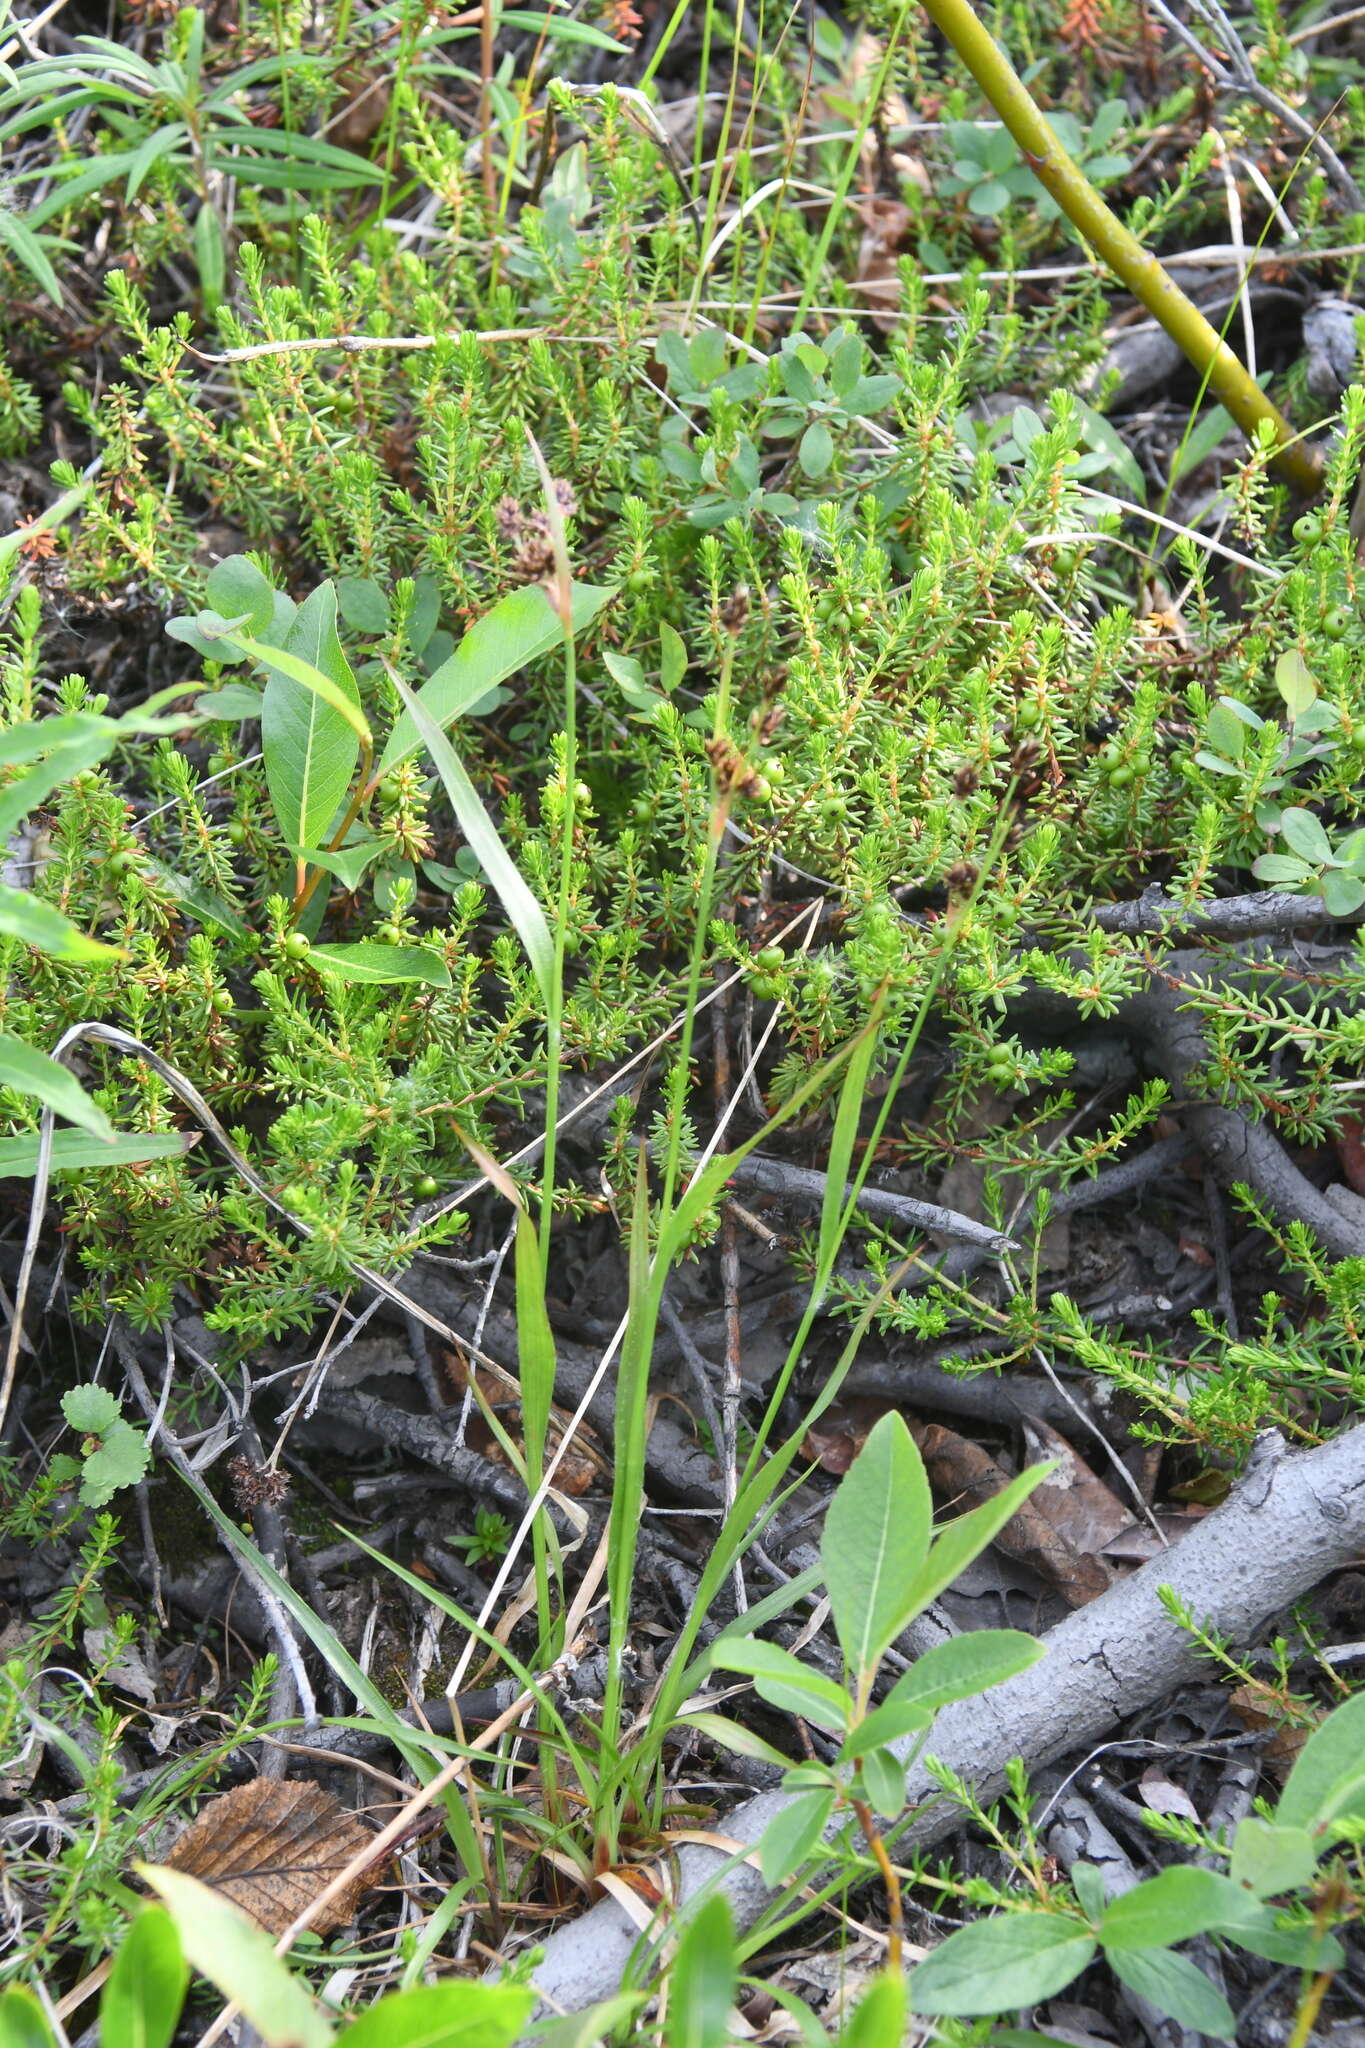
x: 1290, y: 1520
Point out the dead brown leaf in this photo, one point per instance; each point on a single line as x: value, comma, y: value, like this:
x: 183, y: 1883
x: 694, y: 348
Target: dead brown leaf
x: 1075, y: 1499
x: 967, y: 1475
x: 271, y: 1846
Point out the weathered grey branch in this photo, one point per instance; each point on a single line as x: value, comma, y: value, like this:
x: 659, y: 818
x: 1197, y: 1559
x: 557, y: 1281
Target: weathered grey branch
x: 776, y: 1177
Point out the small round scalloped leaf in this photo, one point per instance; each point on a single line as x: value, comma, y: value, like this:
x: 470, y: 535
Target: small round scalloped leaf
x: 90, y: 1409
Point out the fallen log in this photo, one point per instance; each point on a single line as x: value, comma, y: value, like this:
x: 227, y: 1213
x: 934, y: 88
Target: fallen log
x: 1290, y: 1520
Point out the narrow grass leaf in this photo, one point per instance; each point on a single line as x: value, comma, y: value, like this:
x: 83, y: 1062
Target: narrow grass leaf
x: 76, y: 1152
x: 367, y: 960
x: 524, y: 912
x: 25, y: 916
x: 519, y: 628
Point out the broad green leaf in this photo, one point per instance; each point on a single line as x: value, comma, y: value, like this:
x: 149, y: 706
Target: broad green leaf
x: 969, y: 1663
x: 968, y: 1536
x: 672, y: 658
x: 996, y: 1965
x: 874, y: 1544
x: 1295, y: 682
x: 1304, y: 835
x: 122, y: 1460
x: 886, y: 1723
x: 237, y: 589
x: 1341, y: 893
x: 312, y: 727
x: 452, y: 2014
x: 23, y: 2023
x: 784, y: 1681
x: 1269, y: 1860
x: 30, y: 1072
x: 25, y: 916
x: 1300, y: 1945
x: 90, y: 1409
x: 369, y: 961
x: 523, y: 910
x: 702, y: 1981
x: 1175, y: 1986
x: 238, y: 1957
x: 348, y: 863
x: 1208, y: 431
x: 234, y: 702
x: 76, y: 1152
x: 364, y: 605
x: 793, y: 1835
x: 878, y: 2019
x: 883, y: 1774
x: 1225, y: 731
x: 1174, y: 1906
x: 520, y: 627
x: 1281, y: 867
x: 816, y: 450
x: 1328, y: 1778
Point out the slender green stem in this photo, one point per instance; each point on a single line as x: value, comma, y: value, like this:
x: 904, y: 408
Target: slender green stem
x: 1132, y: 265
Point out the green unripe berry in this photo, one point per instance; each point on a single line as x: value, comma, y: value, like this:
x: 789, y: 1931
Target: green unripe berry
x: 123, y: 862
x: 766, y: 987
x: 776, y: 772
x: 427, y: 1188
x: 390, y: 793
x: 1142, y: 763
x: 1029, y: 717
x: 1308, y: 529
x: 389, y: 935
x: 639, y: 580
x: 759, y: 791
x: 217, y: 763
x: 1120, y: 777
x: 771, y: 958
x: 297, y: 946
x: 1110, y: 755
x: 581, y: 794
x: 292, y: 1197
x: 236, y: 833
x: 1337, y: 623
x: 221, y: 1002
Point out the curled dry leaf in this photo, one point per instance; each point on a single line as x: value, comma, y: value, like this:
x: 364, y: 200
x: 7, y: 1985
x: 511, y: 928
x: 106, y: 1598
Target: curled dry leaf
x: 1163, y: 1795
x: 1074, y: 1498
x: 967, y: 1476
x: 271, y: 1846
